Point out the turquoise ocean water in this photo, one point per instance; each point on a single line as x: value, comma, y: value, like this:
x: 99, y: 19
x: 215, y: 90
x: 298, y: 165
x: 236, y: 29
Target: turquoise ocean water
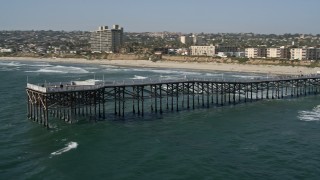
x: 270, y: 139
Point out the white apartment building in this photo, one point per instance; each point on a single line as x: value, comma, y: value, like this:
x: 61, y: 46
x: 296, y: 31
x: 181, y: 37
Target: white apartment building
x: 203, y: 50
x: 6, y: 50
x: 298, y: 53
x: 281, y: 52
x: 255, y: 52
x: 310, y: 53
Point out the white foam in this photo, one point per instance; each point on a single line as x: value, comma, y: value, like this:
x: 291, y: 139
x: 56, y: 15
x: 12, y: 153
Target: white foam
x: 5, y: 69
x: 166, y: 77
x: 246, y: 76
x: 211, y: 74
x: 192, y: 73
x: 91, y: 68
x: 62, y: 70
x: 10, y: 64
x: 49, y: 71
x: 69, y: 146
x: 108, y: 70
x: 40, y: 65
x: 157, y: 71
x: 313, y: 115
x: 164, y: 71
x: 139, y: 77
x: 175, y: 72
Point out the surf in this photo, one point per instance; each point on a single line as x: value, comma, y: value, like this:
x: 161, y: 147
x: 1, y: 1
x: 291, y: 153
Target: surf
x: 313, y: 115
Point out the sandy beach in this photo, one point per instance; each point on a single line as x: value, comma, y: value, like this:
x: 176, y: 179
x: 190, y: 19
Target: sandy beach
x: 268, y: 69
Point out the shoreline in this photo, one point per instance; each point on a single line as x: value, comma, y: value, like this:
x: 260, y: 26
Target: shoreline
x: 242, y: 68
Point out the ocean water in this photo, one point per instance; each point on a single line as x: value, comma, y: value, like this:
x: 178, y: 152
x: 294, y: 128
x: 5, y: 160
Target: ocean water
x: 270, y: 139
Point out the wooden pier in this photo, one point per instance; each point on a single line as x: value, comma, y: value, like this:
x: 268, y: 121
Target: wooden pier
x: 94, y: 101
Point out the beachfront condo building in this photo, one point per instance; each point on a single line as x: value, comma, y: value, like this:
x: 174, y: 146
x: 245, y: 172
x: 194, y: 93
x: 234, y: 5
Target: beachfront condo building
x: 281, y: 53
x: 222, y: 48
x: 305, y: 53
x: 203, y: 50
x: 255, y: 52
x: 313, y: 53
x: 298, y: 53
x: 107, y: 40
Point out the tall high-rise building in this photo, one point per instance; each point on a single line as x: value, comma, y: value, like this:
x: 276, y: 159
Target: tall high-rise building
x: 107, y: 40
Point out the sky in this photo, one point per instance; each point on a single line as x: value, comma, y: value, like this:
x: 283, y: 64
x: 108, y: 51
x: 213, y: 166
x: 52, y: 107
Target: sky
x: 186, y: 16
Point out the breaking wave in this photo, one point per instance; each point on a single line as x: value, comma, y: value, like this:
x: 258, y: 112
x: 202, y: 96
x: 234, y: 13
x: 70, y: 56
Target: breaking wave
x: 174, y: 72
x: 246, y: 76
x: 215, y: 75
x: 313, y: 115
x: 15, y: 64
x: 40, y: 64
x: 6, y: 69
x: 139, y: 77
x: 108, y: 66
x: 62, y: 70
x: 69, y: 146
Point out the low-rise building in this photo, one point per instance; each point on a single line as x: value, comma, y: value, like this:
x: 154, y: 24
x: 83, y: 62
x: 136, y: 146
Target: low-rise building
x: 203, y: 50
x: 298, y: 54
x: 221, y: 48
x: 255, y: 52
x: 282, y: 53
x: 6, y: 50
x: 230, y: 54
x: 183, y: 51
x: 305, y: 53
x: 313, y: 53
x: 222, y: 54
x: 239, y: 54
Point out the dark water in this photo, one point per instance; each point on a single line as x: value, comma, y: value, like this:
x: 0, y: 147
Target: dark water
x: 275, y: 139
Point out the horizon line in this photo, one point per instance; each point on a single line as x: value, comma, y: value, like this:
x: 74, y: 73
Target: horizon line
x: 167, y: 32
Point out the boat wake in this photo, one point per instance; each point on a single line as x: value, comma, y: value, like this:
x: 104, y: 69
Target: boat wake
x: 69, y: 146
x: 313, y: 115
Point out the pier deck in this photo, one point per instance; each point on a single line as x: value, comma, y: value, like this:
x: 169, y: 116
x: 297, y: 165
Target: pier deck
x: 71, y: 101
